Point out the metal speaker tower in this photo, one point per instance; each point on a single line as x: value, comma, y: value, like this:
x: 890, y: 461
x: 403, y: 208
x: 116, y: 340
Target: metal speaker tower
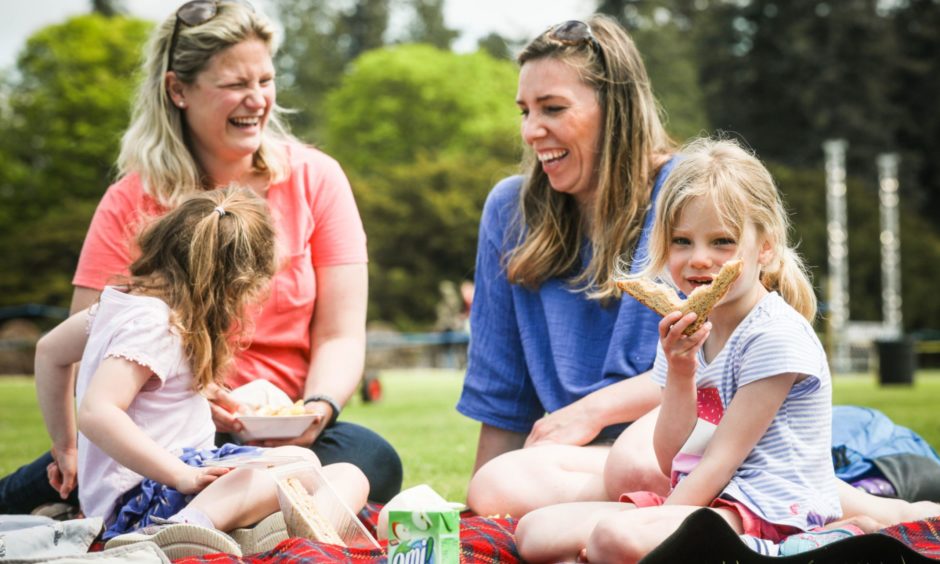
x: 837, y: 235
x: 890, y: 244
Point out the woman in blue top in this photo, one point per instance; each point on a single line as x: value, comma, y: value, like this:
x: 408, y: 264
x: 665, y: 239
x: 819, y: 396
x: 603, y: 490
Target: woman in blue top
x: 551, y: 333
x: 559, y: 360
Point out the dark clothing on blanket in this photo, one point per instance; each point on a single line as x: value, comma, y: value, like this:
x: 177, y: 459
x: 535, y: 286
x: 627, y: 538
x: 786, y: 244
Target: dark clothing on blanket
x: 704, y: 537
x: 28, y: 487
x: 867, y: 444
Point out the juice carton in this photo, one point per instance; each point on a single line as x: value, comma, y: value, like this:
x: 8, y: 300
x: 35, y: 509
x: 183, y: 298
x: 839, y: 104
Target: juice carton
x: 424, y: 536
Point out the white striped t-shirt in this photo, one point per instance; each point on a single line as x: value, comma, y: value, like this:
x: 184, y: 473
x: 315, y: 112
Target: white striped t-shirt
x: 788, y: 477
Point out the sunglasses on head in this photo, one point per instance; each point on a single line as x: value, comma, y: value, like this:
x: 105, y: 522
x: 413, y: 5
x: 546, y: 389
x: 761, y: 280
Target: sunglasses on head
x: 575, y: 33
x: 193, y: 13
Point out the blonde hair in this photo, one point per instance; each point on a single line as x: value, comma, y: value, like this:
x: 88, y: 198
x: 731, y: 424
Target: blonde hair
x: 632, y: 139
x: 208, y: 259
x: 744, y: 193
x: 154, y: 145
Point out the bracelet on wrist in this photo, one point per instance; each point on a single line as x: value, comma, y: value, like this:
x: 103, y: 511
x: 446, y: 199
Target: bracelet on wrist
x: 329, y: 401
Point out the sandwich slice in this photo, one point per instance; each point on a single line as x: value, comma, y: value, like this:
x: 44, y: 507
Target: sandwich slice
x: 663, y: 299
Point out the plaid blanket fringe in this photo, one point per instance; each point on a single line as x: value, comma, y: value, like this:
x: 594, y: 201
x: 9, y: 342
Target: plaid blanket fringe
x: 922, y: 536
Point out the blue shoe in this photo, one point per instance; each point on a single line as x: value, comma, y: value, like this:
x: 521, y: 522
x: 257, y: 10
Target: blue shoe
x: 811, y: 540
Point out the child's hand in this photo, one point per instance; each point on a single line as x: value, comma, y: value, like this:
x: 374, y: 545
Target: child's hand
x: 679, y: 349
x: 63, y: 471
x: 194, y: 480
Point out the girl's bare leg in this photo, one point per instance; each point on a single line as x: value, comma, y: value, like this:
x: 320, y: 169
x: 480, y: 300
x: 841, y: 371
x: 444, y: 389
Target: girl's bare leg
x: 521, y: 480
x: 559, y: 532
x: 245, y: 496
x: 628, y: 536
x: 349, y: 483
x: 885, y: 511
x: 631, y: 465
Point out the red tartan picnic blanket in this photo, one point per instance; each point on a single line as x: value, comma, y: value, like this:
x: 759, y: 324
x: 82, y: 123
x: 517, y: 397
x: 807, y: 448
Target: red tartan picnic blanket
x: 491, y: 541
x: 482, y: 541
x: 922, y: 536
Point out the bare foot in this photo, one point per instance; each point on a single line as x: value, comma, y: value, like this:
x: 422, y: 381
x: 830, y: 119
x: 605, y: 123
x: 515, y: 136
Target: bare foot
x: 920, y: 510
x: 863, y: 522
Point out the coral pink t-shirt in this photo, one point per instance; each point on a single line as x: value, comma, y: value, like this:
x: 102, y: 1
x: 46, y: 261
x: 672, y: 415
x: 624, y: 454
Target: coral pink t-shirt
x: 318, y: 225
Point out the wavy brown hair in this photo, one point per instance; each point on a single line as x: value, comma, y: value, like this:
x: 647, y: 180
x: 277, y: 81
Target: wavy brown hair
x: 208, y: 259
x: 633, y: 143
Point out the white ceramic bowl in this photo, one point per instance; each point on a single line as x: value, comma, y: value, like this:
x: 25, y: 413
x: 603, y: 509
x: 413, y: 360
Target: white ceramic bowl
x: 258, y: 427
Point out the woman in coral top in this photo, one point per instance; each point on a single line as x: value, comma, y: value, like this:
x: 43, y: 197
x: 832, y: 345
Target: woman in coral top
x: 205, y: 117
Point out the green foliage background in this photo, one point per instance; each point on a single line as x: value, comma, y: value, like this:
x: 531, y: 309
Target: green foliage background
x: 62, y: 119
x: 424, y: 133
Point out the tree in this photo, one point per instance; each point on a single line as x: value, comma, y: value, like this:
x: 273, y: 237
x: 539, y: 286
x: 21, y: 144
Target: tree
x: 663, y: 36
x: 428, y: 25
x: 108, y: 8
x: 320, y: 40
x: 423, y: 134
x: 804, y: 192
x: 788, y: 75
x: 421, y: 218
x: 495, y: 45
x: 917, y: 27
x: 401, y: 101
x: 67, y: 105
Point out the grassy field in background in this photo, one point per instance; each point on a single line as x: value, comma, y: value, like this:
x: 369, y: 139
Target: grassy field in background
x: 436, y: 443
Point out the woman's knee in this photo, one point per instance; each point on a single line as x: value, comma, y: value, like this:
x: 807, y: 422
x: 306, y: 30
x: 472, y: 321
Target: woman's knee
x: 349, y: 481
x: 346, y: 472
x: 519, y: 481
x: 492, y: 489
x: 628, y: 474
x: 631, y: 466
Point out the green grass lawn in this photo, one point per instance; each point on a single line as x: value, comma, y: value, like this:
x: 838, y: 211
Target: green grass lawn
x: 436, y: 443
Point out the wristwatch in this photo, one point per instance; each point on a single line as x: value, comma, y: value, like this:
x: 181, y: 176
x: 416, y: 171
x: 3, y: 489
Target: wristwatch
x: 329, y: 401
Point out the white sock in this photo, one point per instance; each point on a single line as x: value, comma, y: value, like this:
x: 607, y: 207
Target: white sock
x: 761, y: 546
x: 194, y: 516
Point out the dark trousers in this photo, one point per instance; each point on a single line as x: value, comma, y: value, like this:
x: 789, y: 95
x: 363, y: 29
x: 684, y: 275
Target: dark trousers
x: 28, y: 487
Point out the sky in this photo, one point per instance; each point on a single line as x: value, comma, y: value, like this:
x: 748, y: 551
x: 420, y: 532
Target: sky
x: 513, y: 19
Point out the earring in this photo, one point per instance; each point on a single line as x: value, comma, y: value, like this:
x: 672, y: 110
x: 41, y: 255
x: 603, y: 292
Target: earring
x: 181, y: 104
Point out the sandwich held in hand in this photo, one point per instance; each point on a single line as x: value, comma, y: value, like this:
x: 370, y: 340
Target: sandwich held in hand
x: 663, y: 299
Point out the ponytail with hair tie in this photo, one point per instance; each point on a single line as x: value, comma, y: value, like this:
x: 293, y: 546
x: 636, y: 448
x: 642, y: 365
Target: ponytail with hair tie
x: 208, y: 270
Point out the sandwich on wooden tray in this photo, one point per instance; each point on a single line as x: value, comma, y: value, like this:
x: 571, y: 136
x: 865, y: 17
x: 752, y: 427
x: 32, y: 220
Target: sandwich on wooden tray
x: 663, y: 299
